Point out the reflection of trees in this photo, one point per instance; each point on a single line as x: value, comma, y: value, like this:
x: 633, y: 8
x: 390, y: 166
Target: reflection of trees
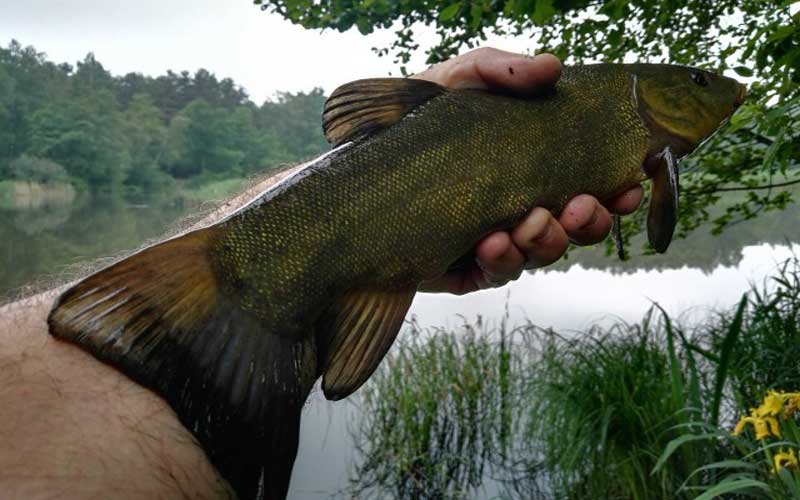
x: 700, y: 249
x: 43, y: 243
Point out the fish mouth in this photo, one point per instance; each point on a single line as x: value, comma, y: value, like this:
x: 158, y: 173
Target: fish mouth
x: 741, y: 93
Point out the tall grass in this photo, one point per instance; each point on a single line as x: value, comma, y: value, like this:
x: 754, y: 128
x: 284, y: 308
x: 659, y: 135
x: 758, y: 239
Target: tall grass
x: 634, y: 411
x: 602, y: 407
x: 437, y: 415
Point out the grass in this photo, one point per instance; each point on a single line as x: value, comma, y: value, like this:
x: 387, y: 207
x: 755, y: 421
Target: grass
x: 636, y: 411
x: 438, y: 415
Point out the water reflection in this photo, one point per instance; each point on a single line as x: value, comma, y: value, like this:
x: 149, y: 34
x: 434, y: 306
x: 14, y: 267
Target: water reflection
x: 41, y: 242
x: 579, y: 297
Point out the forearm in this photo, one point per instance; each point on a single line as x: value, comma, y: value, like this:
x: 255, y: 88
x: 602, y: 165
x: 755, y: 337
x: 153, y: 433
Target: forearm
x: 73, y: 427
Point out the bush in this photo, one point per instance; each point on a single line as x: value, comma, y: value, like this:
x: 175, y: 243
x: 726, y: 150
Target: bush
x: 33, y: 169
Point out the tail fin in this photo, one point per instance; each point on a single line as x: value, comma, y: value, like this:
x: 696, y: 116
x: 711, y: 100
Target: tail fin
x: 161, y: 317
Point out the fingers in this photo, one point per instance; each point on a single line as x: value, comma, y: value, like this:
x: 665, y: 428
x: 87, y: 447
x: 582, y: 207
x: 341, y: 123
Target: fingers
x: 499, y: 259
x: 493, y: 69
x: 585, y: 220
x: 540, y: 238
x: 627, y: 202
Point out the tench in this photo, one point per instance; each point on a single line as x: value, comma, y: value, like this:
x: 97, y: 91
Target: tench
x: 233, y: 324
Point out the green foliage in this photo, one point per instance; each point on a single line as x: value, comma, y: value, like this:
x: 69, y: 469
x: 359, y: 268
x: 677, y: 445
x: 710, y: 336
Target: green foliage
x: 771, y: 342
x: 288, y: 118
x: 758, y: 39
x: 606, y: 404
x: 435, y: 417
x: 641, y: 411
x: 43, y: 171
x: 143, y: 135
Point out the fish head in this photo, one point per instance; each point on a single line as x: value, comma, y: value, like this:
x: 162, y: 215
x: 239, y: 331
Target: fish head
x: 683, y: 106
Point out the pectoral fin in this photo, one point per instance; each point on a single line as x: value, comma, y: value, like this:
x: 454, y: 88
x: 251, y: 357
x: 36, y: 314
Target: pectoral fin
x: 359, y: 108
x: 362, y: 327
x: 662, y: 216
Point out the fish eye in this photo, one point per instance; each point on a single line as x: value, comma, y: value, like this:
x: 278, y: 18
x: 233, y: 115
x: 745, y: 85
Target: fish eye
x: 699, y: 78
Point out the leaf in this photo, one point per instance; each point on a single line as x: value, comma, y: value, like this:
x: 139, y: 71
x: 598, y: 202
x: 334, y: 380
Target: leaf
x: 476, y: 15
x: 449, y: 12
x: 723, y: 464
x: 731, y: 486
x: 743, y: 116
x: 676, y: 443
x: 728, y: 343
x: 543, y: 11
x: 363, y: 25
x: 676, y: 375
x: 743, y: 71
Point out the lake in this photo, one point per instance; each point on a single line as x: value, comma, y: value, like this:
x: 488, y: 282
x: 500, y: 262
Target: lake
x: 698, y: 274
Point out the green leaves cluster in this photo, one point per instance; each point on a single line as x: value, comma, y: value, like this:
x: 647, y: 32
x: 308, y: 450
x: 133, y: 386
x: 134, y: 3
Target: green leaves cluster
x: 757, y: 39
x: 140, y: 134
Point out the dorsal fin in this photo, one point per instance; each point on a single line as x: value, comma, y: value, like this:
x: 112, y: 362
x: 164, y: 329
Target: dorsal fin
x: 360, y: 329
x: 364, y: 106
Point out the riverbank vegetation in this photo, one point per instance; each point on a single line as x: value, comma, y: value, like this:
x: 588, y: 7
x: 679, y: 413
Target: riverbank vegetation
x: 138, y: 135
x: 632, y: 411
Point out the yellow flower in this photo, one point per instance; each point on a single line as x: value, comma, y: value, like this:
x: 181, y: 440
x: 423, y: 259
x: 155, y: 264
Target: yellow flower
x: 764, y: 426
x: 792, y: 404
x: 772, y: 405
x: 784, y: 459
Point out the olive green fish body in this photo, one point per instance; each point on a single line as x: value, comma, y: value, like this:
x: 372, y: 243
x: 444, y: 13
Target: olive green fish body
x: 233, y: 324
x: 400, y: 207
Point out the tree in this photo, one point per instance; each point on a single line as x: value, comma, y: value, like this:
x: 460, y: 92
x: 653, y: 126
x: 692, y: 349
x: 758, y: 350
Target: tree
x: 7, y: 92
x: 147, y: 145
x: 90, y: 77
x: 208, y: 141
x: 296, y: 119
x: 86, y: 136
x: 35, y: 82
x: 41, y: 170
x: 758, y: 154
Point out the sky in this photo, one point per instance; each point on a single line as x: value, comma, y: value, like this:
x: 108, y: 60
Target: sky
x: 231, y: 38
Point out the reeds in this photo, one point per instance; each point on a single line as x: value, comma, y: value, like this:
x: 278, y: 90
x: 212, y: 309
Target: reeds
x: 634, y: 411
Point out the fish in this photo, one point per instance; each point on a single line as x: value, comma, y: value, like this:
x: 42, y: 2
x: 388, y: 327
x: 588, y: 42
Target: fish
x: 234, y: 323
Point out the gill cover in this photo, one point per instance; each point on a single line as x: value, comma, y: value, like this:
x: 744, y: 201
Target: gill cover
x: 681, y: 107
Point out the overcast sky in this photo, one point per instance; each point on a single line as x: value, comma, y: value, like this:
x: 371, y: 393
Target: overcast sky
x: 231, y: 38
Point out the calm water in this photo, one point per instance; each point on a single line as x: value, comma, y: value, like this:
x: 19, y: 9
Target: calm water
x: 697, y: 274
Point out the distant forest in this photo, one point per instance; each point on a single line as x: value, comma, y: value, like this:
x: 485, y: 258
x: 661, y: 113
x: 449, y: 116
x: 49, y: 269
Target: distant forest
x: 140, y: 134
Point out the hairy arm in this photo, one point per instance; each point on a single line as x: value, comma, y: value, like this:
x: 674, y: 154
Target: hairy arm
x: 72, y: 427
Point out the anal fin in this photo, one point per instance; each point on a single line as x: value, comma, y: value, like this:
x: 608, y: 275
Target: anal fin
x: 361, y: 328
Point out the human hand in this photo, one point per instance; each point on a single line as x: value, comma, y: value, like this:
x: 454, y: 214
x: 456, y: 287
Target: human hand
x: 540, y: 239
